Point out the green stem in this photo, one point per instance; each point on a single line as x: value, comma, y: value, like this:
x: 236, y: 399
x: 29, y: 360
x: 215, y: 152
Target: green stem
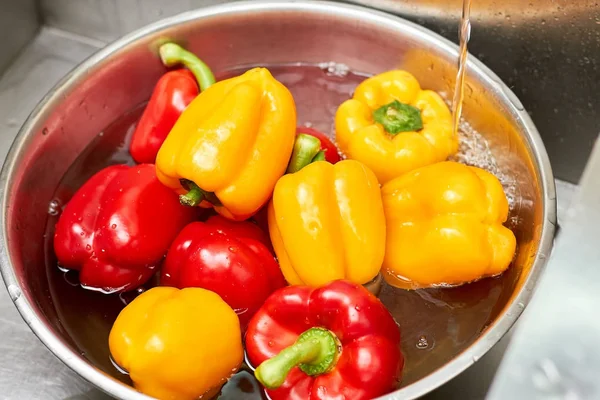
x: 319, y: 157
x: 306, y: 149
x: 172, y: 54
x: 315, y: 352
x: 193, y: 197
x: 398, y: 117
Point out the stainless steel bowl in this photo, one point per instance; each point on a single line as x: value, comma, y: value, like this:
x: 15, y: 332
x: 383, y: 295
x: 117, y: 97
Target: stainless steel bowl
x: 121, y: 76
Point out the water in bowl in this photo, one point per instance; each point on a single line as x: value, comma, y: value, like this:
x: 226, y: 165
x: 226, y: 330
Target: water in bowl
x: 437, y: 324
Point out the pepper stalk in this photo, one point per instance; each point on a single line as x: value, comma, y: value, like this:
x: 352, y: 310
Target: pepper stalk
x: 315, y: 352
x: 307, y: 149
x: 398, y: 117
x: 172, y: 54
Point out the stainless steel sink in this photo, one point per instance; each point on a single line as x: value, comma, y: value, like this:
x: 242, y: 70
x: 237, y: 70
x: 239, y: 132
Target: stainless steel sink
x: 44, y: 40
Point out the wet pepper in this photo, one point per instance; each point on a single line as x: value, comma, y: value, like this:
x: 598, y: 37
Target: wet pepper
x: 117, y: 227
x: 177, y: 344
x: 231, y: 145
x: 326, y: 221
x: 393, y: 126
x: 173, y: 92
x: 444, y: 226
x: 327, y: 150
x: 229, y: 258
x: 335, y: 342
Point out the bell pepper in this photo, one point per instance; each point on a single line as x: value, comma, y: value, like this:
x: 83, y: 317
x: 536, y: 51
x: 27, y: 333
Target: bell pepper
x: 177, y: 344
x: 117, y: 227
x: 444, y: 226
x: 173, y: 92
x: 229, y: 258
x: 335, y: 342
x: 231, y: 145
x: 328, y: 151
x: 393, y: 126
x: 326, y: 221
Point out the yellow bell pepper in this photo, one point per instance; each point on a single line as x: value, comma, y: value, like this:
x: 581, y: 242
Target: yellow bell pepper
x: 393, y: 126
x: 326, y: 222
x: 231, y: 144
x: 177, y: 344
x: 444, y: 226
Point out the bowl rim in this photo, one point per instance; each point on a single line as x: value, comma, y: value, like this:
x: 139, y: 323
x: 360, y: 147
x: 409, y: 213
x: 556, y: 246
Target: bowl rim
x: 426, y: 384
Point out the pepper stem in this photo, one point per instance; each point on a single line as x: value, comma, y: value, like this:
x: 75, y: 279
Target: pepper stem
x: 193, y: 197
x: 306, y: 150
x: 315, y: 352
x: 172, y: 54
x: 398, y: 117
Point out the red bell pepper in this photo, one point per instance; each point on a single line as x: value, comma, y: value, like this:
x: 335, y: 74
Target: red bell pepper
x: 173, y: 92
x: 229, y: 258
x: 117, y: 227
x: 335, y: 342
x: 327, y: 150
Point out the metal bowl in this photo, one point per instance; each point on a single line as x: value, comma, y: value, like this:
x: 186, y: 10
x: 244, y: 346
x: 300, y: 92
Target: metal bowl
x: 121, y: 76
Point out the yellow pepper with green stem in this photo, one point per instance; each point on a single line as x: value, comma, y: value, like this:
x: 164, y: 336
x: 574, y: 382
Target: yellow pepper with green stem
x: 393, y: 126
x: 177, y: 344
x: 231, y: 144
x: 326, y: 221
x: 444, y: 226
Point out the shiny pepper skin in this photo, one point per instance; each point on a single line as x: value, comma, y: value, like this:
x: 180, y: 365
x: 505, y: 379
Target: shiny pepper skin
x: 370, y: 362
x: 389, y: 155
x: 234, y: 142
x: 444, y: 226
x: 232, y: 259
x: 118, y: 226
x: 177, y: 344
x: 326, y: 222
x: 172, y: 94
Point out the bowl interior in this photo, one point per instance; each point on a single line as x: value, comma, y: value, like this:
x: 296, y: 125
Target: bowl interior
x: 107, y: 93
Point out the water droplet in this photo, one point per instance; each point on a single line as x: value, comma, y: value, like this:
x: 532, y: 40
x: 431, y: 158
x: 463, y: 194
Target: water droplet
x: 357, y: 308
x: 82, y: 233
x: 232, y: 249
x: 53, y: 207
x: 422, y: 343
x: 45, y: 131
x: 270, y: 343
x: 520, y: 305
x: 88, y: 247
x: 113, y: 226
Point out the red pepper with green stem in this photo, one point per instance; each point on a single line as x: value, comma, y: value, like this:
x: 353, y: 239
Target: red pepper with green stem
x: 117, y: 227
x: 232, y: 259
x: 335, y: 342
x: 321, y: 149
x: 173, y: 92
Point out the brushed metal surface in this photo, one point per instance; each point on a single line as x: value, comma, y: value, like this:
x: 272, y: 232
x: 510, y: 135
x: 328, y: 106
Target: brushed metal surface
x: 102, y: 88
x: 554, y: 352
x: 110, y: 19
x: 27, y: 369
x: 18, y: 25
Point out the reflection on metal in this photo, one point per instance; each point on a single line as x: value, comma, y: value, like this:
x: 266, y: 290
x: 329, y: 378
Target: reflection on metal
x: 554, y: 353
x: 548, y: 52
